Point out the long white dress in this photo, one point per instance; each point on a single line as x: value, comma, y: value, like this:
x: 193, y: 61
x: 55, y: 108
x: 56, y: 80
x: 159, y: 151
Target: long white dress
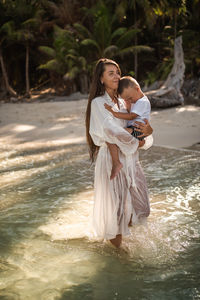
x: 116, y: 200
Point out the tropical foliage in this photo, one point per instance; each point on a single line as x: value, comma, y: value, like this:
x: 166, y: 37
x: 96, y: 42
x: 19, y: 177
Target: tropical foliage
x: 60, y: 41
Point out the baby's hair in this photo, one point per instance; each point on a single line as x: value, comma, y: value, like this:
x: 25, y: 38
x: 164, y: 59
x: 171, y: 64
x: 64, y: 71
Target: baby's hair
x: 126, y: 82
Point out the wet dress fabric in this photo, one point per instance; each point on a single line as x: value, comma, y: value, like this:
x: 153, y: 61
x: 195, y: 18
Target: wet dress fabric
x: 115, y: 201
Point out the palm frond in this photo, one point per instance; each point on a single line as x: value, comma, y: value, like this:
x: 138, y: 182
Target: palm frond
x: 111, y: 51
x: 72, y: 73
x: 118, y: 32
x: 31, y: 23
x: 126, y: 38
x: 135, y: 49
x: 8, y: 28
x: 90, y: 42
x: 47, y: 50
x: 51, y: 65
x: 102, y: 31
x: 83, y: 32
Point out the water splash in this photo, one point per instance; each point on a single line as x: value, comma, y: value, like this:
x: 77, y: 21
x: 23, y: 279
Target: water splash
x: 47, y: 249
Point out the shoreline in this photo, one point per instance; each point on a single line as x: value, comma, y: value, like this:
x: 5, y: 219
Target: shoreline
x: 26, y: 125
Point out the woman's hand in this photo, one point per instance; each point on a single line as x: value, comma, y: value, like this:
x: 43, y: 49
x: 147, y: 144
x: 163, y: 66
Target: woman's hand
x: 141, y: 143
x: 146, y: 129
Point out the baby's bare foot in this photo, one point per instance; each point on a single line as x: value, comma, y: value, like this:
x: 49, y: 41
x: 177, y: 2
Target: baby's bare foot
x: 115, y: 170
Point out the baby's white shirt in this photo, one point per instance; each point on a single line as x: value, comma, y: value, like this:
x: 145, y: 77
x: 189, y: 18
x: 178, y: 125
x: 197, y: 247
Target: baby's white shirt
x: 142, y: 108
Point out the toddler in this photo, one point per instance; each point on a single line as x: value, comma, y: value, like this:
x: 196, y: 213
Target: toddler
x: 138, y: 109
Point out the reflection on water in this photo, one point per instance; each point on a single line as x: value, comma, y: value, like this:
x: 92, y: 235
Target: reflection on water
x: 46, y: 245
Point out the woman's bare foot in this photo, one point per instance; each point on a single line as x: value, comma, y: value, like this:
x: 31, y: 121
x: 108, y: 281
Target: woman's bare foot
x: 115, y: 169
x: 117, y: 240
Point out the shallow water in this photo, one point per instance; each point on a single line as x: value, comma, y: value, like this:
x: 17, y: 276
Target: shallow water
x: 46, y: 248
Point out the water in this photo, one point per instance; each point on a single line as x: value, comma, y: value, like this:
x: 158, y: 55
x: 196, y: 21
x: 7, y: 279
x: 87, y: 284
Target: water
x: 46, y: 248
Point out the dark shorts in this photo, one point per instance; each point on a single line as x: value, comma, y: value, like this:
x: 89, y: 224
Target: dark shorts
x: 135, y: 133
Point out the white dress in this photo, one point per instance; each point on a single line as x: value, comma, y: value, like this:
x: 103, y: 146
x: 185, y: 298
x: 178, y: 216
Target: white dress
x: 116, y: 200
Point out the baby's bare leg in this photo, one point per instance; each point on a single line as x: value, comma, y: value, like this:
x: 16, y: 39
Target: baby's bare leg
x: 116, y: 164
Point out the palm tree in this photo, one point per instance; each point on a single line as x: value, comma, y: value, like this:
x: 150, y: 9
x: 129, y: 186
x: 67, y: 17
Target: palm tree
x: 107, y: 38
x: 3, y: 44
x: 65, y: 59
x: 22, y: 30
x: 76, y: 48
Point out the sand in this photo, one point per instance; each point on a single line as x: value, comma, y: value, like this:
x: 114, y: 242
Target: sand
x: 30, y: 125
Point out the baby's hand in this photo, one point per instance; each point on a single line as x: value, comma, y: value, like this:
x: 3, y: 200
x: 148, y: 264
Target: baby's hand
x: 108, y: 107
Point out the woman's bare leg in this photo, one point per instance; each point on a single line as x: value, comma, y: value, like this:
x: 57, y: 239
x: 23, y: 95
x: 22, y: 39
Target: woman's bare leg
x: 116, y: 164
x: 117, y: 240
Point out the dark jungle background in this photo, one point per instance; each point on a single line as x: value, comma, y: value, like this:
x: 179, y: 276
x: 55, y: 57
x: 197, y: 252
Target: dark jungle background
x: 56, y: 43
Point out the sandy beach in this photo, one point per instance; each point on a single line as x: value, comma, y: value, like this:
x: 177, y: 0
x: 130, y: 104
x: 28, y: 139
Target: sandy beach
x: 30, y: 125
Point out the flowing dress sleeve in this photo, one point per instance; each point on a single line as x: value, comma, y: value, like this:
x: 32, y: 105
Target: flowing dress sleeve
x: 105, y: 128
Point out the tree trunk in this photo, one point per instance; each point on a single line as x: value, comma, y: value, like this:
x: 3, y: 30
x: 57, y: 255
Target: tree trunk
x: 27, y: 71
x: 136, y: 59
x: 169, y: 94
x: 9, y: 89
x: 135, y: 42
x: 175, y: 22
x: 84, y: 84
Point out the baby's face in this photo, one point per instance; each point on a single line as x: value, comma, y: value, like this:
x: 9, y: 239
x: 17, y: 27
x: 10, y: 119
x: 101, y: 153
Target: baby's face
x: 130, y: 94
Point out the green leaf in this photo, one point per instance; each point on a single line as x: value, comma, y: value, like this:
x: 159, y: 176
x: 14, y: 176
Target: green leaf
x: 111, y: 51
x: 31, y: 23
x: 47, y: 50
x: 72, y: 73
x: 90, y: 42
x: 118, y: 32
x: 135, y: 49
x: 82, y: 30
x: 52, y: 65
x: 127, y: 38
x: 8, y: 27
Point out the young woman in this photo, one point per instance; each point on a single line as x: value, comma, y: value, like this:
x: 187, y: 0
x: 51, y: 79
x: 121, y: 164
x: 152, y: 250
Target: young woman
x: 124, y: 199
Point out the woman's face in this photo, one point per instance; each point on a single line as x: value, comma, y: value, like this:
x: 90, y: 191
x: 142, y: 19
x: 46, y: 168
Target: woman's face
x: 110, y: 77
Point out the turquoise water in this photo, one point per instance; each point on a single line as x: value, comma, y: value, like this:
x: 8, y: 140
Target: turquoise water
x: 46, y: 247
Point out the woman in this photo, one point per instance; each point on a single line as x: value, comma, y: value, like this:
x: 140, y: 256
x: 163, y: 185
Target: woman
x: 124, y: 199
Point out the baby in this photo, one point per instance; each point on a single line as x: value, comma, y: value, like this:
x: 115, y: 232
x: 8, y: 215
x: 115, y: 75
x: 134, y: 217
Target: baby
x: 139, y: 109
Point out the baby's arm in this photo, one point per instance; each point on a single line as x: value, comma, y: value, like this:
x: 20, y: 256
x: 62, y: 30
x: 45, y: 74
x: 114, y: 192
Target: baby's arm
x: 120, y: 115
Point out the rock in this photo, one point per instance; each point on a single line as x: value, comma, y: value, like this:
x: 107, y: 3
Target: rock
x: 13, y: 99
x: 191, y: 91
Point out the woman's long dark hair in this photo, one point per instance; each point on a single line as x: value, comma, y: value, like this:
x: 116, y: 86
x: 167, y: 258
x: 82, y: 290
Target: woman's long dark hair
x: 96, y: 89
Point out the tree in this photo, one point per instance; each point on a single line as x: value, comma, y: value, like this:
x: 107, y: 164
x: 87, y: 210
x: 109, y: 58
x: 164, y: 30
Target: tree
x: 22, y: 29
x: 65, y: 59
x: 138, y: 14
x: 3, y: 42
x: 169, y: 94
x: 106, y: 38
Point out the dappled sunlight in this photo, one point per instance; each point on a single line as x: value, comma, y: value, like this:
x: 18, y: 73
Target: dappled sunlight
x: 57, y: 127
x: 153, y: 113
x: 46, y: 234
x: 72, y: 223
x: 187, y: 108
x: 66, y: 119
x: 41, y: 274
x: 23, y: 128
x: 22, y: 168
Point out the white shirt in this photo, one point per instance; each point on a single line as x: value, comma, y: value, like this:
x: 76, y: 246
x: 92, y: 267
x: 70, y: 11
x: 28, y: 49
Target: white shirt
x: 142, y: 108
x: 104, y: 127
